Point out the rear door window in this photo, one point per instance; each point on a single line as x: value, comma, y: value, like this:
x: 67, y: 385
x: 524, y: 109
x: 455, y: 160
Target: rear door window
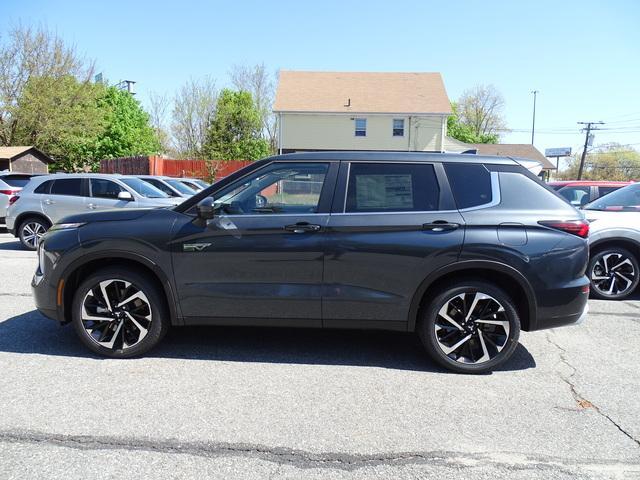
x: 470, y: 184
x: 602, y: 191
x: 392, y: 187
x: 67, y: 186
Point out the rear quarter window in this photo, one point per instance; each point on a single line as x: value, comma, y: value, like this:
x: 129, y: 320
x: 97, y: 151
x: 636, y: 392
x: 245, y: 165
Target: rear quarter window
x: 44, y: 187
x: 470, y: 184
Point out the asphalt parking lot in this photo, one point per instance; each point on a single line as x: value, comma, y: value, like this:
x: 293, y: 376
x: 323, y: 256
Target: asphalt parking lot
x: 285, y: 404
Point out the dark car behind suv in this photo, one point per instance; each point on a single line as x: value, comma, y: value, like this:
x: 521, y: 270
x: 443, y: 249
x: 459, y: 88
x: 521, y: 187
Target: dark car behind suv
x: 464, y: 251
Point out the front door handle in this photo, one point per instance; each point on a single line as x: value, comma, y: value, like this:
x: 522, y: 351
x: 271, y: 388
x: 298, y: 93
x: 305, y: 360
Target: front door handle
x: 49, y: 202
x: 440, y: 226
x: 302, y: 227
x: 92, y: 206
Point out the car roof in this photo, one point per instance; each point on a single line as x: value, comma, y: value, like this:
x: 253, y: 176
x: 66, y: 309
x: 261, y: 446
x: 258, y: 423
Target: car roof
x: 392, y: 156
x: 595, y: 183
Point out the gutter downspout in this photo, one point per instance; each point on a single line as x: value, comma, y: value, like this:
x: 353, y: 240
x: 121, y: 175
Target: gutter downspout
x: 280, y: 133
x: 409, y: 135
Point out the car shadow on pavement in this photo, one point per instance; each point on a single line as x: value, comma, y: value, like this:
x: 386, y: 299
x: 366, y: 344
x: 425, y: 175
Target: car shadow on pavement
x: 12, y: 246
x: 32, y: 333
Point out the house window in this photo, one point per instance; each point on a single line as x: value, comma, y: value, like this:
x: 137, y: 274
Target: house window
x: 361, y: 127
x: 398, y: 127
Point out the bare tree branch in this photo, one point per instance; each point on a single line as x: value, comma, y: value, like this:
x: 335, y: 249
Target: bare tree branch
x: 482, y: 108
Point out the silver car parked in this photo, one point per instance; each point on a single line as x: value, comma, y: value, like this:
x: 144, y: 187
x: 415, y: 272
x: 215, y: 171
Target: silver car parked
x: 614, y: 243
x: 47, y: 199
x: 171, y: 186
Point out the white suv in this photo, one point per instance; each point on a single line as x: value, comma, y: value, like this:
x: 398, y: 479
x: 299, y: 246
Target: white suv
x: 10, y: 185
x: 47, y: 199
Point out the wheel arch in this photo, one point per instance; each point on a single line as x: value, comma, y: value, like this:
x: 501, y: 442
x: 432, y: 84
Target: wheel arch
x: 25, y: 215
x: 502, y: 275
x: 79, y: 269
x: 625, y: 242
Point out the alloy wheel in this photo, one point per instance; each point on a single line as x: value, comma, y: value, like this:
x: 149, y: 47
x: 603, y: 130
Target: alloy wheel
x: 116, y: 314
x: 613, y: 274
x: 32, y: 232
x: 472, y: 328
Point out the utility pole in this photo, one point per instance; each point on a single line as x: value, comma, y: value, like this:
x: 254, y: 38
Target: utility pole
x: 588, y: 130
x: 533, y: 126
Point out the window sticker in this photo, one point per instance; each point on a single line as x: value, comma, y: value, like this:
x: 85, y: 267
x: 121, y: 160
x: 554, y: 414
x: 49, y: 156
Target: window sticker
x: 384, y: 191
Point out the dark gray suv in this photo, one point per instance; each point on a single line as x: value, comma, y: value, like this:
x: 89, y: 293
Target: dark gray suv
x: 464, y: 250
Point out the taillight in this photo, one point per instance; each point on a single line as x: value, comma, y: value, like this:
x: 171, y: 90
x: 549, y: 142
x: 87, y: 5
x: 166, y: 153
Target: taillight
x: 575, y: 227
x: 13, y: 199
x: 9, y: 192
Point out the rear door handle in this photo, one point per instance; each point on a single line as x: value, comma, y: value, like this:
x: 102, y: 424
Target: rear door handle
x: 92, y: 206
x: 49, y: 202
x: 440, y: 226
x: 302, y: 227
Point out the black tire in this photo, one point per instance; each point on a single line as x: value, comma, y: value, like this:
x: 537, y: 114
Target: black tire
x: 30, y: 231
x: 90, y: 292
x: 600, y: 264
x: 495, y: 341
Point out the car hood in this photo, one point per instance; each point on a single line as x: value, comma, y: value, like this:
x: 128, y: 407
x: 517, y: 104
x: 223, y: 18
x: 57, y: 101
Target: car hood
x: 107, y: 215
x: 601, y: 220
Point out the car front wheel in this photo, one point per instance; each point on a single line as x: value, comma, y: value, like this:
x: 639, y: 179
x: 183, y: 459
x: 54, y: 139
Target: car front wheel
x: 613, y: 273
x: 119, y: 313
x: 470, y: 327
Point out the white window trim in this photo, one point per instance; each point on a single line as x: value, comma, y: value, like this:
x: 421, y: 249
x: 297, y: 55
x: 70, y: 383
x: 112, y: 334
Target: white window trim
x: 355, y: 127
x: 393, y: 128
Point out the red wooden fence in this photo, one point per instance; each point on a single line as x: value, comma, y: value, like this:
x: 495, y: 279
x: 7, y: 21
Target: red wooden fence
x: 155, y: 165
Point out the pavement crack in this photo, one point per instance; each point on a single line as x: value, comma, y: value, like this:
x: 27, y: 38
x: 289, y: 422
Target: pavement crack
x: 18, y: 294
x: 578, y: 397
x: 318, y: 460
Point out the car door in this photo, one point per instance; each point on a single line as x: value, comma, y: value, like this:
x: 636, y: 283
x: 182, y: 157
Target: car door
x: 104, y: 195
x: 392, y: 224
x: 260, y: 259
x: 65, y: 197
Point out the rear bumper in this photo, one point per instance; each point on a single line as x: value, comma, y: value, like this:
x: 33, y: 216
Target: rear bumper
x: 562, y: 306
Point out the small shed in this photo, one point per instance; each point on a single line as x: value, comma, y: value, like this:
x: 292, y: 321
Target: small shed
x: 27, y: 159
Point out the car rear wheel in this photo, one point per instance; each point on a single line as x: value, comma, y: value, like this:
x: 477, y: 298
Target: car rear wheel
x: 470, y: 327
x: 119, y: 313
x: 31, y: 231
x: 613, y: 273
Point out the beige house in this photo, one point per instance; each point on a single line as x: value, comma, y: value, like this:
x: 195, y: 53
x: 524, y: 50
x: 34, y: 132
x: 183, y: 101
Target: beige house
x: 361, y: 111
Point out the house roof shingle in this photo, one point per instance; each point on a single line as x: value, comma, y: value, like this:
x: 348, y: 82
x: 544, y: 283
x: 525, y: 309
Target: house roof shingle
x: 8, y: 153
x: 524, y: 150
x: 364, y: 92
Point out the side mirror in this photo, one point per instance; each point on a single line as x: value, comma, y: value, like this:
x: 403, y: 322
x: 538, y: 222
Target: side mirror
x: 205, y: 211
x: 126, y: 196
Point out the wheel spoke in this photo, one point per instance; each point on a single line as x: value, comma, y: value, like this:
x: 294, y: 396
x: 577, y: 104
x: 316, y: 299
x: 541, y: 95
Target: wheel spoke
x: 448, y: 350
x: 485, y: 352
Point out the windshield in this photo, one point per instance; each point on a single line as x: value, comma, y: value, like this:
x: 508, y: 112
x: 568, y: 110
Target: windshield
x: 181, y: 187
x: 624, y: 199
x: 202, y: 183
x: 143, y: 188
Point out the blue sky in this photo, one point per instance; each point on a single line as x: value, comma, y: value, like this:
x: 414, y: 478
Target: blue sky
x: 583, y: 56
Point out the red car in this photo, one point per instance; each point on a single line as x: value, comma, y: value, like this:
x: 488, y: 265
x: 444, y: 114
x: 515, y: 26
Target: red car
x: 580, y: 192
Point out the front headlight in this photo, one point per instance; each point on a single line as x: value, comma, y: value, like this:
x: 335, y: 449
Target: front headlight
x: 65, y: 226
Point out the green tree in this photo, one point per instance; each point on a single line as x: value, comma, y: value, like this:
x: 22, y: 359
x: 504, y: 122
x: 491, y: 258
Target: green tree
x: 606, y: 162
x: 235, y: 132
x: 60, y: 116
x: 127, y: 128
x: 465, y: 132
